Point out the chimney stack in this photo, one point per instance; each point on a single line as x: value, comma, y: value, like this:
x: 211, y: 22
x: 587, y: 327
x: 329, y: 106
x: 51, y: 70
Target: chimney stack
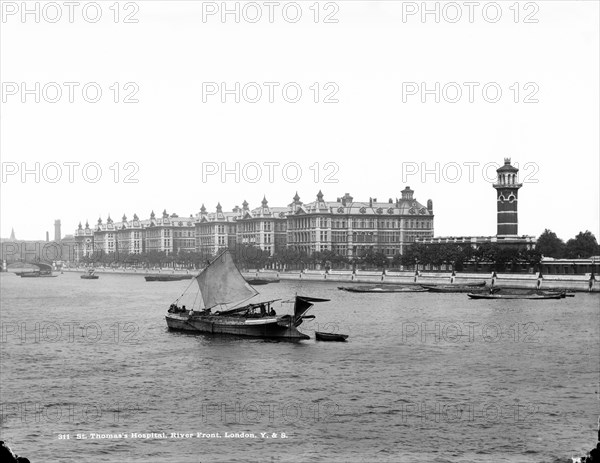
x: 57, y: 230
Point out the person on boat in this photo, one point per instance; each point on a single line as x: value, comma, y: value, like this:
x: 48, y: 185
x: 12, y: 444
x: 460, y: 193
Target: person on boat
x: 263, y: 310
x: 272, y: 312
x: 183, y: 309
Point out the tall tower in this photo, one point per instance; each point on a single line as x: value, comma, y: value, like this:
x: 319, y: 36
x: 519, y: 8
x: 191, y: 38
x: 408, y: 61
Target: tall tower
x: 57, y: 230
x: 507, y: 190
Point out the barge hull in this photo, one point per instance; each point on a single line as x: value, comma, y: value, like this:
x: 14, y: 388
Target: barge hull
x: 234, y: 326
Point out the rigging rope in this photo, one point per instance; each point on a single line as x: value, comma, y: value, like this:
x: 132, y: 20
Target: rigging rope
x: 195, y: 299
x: 185, y: 290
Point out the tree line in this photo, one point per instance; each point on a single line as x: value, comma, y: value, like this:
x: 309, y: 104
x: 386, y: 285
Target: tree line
x: 500, y: 257
x: 245, y: 256
x: 583, y: 246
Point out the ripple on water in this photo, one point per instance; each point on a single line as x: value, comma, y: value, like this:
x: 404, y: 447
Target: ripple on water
x: 382, y: 395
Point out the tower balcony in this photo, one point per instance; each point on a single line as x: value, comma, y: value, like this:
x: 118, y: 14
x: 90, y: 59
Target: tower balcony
x: 507, y: 185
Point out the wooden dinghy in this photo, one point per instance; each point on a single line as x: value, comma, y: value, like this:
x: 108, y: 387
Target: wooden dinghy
x: 322, y: 336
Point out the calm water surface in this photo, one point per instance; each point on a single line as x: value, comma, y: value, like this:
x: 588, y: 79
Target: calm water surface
x: 423, y: 378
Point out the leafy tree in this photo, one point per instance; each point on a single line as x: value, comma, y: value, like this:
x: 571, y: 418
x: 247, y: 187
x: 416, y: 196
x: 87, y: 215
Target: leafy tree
x: 336, y: 260
x: 435, y: 254
x: 375, y: 259
x: 397, y: 260
x: 291, y: 257
x: 550, y: 245
x: 506, y: 257
x: 584, y: 245
x: 248, y: 256
x: 532, y: 257
x: 415, y: 253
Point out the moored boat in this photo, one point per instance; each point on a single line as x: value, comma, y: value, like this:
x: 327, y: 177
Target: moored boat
x: 322, y: 336
x: 382, y: 289
x: 530, y: 292
x: 168, y: 277
x: 514, y: 296
x: 223, y: 289
x: 261, y: 281
x: 454, y: 288
x: 90, y: 275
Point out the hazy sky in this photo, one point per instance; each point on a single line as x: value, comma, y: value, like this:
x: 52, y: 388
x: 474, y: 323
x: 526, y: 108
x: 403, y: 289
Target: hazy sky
x: 375, y: 61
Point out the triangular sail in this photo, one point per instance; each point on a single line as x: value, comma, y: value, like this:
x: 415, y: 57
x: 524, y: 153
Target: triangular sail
x: 304, y: 303
x: 222, y: 283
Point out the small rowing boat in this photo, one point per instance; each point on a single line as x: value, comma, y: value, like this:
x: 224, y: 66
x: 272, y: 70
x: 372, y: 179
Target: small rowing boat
x: 322, y: 336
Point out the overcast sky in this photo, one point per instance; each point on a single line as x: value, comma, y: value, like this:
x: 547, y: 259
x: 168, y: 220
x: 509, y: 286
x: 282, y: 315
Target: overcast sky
x: 543, y: 57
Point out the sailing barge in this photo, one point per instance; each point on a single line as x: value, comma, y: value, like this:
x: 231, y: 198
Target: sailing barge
x: 223, y: 289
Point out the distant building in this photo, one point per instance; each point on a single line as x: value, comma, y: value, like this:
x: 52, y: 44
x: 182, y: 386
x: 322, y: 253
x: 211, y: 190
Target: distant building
x: 128, y: 236
x: 507, y: 188
x: 168, y: 234
x: 347, y: 227
x: 216, y: 230
x: 57, y: 235
x: 264, y: 227
x: 352, y: 228
x: 551, y: 266
x: 84, y: 242
x: 15, y: 251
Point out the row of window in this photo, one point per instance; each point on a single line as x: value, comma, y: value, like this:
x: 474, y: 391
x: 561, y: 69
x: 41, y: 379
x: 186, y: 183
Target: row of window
x: 305, y: 223
x: 254, y: 226
x: 359, y: 224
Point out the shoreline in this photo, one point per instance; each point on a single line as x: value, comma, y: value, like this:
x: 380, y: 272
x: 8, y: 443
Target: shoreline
x: 574, y: 283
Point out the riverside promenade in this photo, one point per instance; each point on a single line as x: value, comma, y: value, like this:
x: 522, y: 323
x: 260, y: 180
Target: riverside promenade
x: 578, y: 283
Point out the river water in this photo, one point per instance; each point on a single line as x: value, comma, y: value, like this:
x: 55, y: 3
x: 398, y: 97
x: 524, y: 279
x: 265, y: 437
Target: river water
x: 87, y: 364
